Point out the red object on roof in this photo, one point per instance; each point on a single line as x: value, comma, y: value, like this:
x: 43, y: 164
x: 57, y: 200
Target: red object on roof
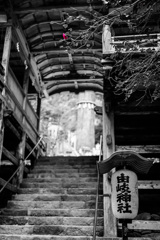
x: 64, y: 36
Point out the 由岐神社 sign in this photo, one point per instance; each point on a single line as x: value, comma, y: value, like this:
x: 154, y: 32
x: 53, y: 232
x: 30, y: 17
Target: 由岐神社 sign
x: 125, y: 202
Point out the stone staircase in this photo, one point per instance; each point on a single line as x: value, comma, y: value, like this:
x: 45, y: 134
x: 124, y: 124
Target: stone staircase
x: 56, y: 201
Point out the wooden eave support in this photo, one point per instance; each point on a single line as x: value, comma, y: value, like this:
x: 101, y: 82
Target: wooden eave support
x: 60, y: 51
x: 70, y: 81
x: 72, y: 7
x: 84, y: 86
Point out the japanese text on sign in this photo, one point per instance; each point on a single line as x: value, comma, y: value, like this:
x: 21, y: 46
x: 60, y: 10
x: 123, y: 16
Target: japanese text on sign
x: 123, y: 194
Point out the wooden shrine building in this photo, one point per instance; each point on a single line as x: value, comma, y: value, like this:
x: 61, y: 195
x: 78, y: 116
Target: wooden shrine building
x: 111, y: 47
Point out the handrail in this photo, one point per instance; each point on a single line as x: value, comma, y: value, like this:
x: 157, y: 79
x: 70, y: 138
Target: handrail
x: 20, y: 165
x: 97, y: 192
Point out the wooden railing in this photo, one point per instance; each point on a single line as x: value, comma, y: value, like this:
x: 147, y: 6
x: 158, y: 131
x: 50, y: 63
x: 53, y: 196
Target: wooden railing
x: 15, y: 100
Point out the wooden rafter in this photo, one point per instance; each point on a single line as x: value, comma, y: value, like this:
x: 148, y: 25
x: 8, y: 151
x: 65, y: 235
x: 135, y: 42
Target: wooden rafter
x: 75, y: 87
x: 68, y: 81
x: 62, y: 51
x: 72, y: 7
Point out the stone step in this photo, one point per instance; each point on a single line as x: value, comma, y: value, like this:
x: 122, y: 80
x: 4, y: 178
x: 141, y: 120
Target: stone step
x: 65, y: 162
x: 62, y: 175
x: 56, y: 190
x: 54, y: 197
x: 65, y: 166
x: 56, y: 201
x: 54, y: 204
x: 32, y: 220
x: 69, y: 171
x: 51, y: 212
x: 58, y: 159
x: 51, y: 237
x: 60, y: 180
x: 64, y: 230
x: 60, y: 185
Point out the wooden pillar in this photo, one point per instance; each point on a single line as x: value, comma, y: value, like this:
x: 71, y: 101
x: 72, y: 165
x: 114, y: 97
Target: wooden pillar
x: 5, y: 64
x: 39, y: 115
x: 110, y: 228
x: 22, y: 144
x: 38, y: 111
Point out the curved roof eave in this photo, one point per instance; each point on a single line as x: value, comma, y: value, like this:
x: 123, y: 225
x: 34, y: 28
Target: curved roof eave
x: 54, y: 57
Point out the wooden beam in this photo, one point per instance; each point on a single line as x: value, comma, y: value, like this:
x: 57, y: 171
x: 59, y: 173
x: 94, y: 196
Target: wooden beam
x: 141, y: 149
x: 135, y: 138
x: 110, y: 226
x: 12, y: 128
x: 141, y: 225
x: 60, y: 51
x: 6, y: 51
x: 55, y: 83
x: 139, y: 113
x: 84, y: 7
x: 22, y: 144
x: 67, y: 79
x: 3, y: 18
x: 30, y: 63
x: 75, y: 87
x: 149, y: 184
x: 10, y: 157
x: 9, y: 186
x: 4, y: 25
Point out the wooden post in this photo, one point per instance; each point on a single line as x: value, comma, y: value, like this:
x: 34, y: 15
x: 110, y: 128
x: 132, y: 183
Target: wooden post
x: 22, y: 144
x: 5, y: 64
x: 39, y: 115
x: 38, y: 111
x: 110, y: 228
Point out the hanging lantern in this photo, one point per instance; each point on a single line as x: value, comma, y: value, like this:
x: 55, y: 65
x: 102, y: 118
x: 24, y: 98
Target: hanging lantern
x: 124, y: 197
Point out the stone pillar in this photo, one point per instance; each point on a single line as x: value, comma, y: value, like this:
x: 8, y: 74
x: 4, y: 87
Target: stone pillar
x: 85, y: 120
